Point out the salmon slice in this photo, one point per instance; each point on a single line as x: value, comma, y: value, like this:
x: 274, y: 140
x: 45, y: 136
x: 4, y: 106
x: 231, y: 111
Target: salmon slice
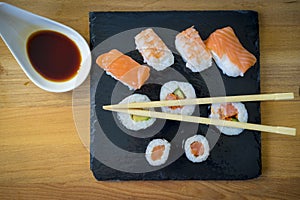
x: 172, y: 96
x: 228, y: 111
x: 193, y: 50
x: 154, y: 51
x: 197, y: 148
x: 229, y: 53
x: 157, y: 152
x: 124, y: 68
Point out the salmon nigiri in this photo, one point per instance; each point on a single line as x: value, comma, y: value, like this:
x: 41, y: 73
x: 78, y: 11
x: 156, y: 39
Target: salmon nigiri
x: 193, y: 50
x: 230, y: 55
x: 154, y: 51
x: 124, y: 68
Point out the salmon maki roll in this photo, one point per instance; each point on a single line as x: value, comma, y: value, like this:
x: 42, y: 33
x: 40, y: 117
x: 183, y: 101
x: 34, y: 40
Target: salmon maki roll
x: 175, y: 90
x: 196, y: 148
x: 193, y: 50
x: 124, y: 69
x: 154, y: 51
x: 157, y: 152
x: 230, y: 55
x: 235, y: 111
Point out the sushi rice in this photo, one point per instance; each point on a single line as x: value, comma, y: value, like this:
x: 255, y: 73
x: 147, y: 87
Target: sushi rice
x: 165, y: 154
x: 188, y: 91
x: 189, y: 151
x: 127, y: 120
x: 242, y: 116
x: 227, y: 67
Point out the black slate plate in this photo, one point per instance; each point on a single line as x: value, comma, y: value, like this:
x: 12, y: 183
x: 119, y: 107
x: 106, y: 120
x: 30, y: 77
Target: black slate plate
x: 231, y: 158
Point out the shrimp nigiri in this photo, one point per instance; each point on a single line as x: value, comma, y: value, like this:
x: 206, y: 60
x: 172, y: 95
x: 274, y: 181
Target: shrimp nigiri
x: 154, y: 51
x: 193, y: 50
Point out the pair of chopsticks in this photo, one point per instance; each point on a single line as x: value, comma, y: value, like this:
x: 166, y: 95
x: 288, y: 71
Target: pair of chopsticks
x: 135, y: 109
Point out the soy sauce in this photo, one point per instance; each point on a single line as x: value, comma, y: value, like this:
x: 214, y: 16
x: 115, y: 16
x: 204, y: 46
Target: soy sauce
x: 53, y: 55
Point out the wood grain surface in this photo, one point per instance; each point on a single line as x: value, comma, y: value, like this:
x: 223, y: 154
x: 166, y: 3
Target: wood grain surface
x: 42, y: 156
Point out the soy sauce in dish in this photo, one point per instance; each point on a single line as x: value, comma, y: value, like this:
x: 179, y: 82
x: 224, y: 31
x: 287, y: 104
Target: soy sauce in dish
x: 53, y: 55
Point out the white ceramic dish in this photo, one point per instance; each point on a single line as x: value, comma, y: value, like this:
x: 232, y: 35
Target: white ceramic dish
x: 16, y: 25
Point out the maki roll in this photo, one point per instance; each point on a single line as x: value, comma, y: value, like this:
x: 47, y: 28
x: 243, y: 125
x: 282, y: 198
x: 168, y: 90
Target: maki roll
x: 135, y: 122
x: 157, y: 152
x: 175, y: 90
x: 196, y: 148
x: 231, y: 112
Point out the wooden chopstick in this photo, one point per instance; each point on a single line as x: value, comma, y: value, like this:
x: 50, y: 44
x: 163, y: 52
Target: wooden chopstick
x: 203, y: 120
x: 207, y: 100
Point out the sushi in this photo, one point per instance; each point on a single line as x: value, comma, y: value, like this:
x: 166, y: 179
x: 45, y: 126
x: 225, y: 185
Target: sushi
x: 124, y: 69
x: 135, y: 122
x: 175, y: 90
x: 193, y: 50
x: 157, y: 152
x: 196, y: 148
x: 230, y: 55
x: 231, y: 112
x: 154, y: 51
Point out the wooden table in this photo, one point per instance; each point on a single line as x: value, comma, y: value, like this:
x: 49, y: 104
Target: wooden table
x: 42, y: 156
